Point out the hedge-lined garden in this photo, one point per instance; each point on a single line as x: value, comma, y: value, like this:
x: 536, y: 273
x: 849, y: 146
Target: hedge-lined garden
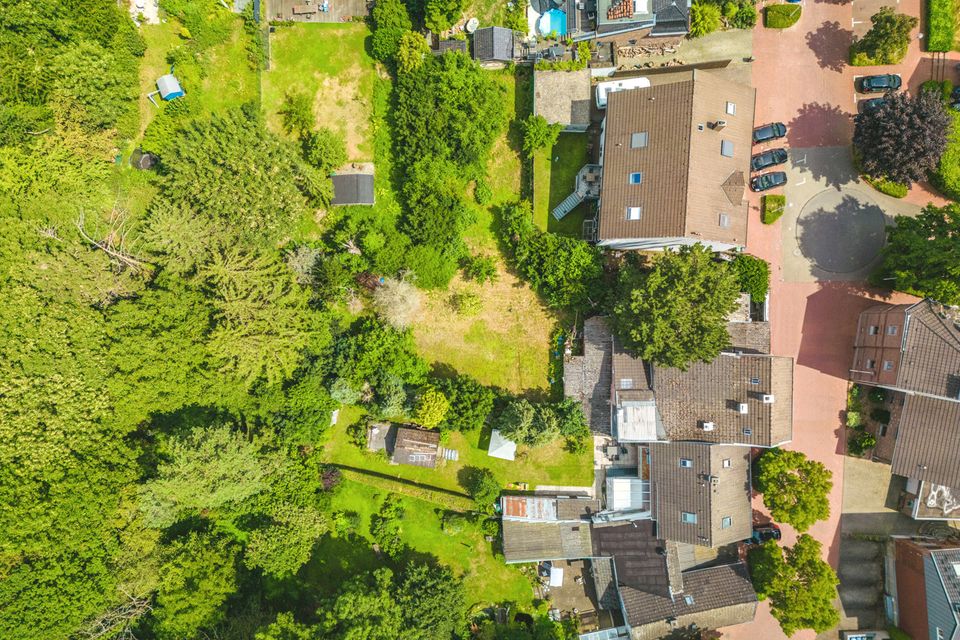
x: 940, y: 25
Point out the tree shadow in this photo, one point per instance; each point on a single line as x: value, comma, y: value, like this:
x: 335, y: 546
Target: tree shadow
x: 832, y: 167
x: 820, y: 125
x: 842, y: 237
x: 831, y: 44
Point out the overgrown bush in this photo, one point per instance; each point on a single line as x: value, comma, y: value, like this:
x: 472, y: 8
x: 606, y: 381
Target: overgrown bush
x: 482, y: 193
x: 781, y: 16
x: 753, y: 275
x: 880, y: 415
x: 854, y: 419
x: 877, y: 395
x: 466, y: 302
x: 860, y: 442
x: 745, y: 17
x: 771, y: 208
x: 940, y: 25
x: 888, y: 187
x: 480, y: 269
x: 470, y: 403
x: 704, y: 19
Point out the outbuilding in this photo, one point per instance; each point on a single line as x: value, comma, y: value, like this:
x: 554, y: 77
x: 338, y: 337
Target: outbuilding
x: 169, y: 87
x: 352, y: 189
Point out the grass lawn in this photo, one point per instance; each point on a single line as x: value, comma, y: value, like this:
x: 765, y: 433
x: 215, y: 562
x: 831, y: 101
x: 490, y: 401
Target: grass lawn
x: 554, y: 174
x: 550, y: 465
x: 330, y: 62
x: 487, y: 578
x: 160, y: 39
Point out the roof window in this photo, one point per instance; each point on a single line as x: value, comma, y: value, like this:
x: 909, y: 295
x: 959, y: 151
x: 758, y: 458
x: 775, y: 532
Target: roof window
x: 726, y: 148
x: 638, y: 140
x: 688, y: 518
x: 686, y: 463
x: 726, y: 522
x: 724, y: 221
x: 636, y: 177
x: 634, y: 213
x: 731, y: 109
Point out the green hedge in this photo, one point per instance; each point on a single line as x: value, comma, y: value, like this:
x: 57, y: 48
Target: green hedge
x: 860, y: 59
x: 410, y: 489
x: 781, y: 16
x: 771, y: 208
x: 947, y: 177
x: 940, y: 28
x: 889, y: 187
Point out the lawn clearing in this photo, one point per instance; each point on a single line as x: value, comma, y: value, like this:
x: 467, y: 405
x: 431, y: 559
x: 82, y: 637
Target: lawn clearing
x: 554, y: 176
x: 329, y: 62
x: 549, y: 465
x: 487, y: 579
x: 160, y: 39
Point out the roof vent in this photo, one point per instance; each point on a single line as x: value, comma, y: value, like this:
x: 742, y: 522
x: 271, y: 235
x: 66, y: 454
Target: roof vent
x: 720, y: 125
x: 708, y: 426
x: 744, y: 409
x: 767, y: 398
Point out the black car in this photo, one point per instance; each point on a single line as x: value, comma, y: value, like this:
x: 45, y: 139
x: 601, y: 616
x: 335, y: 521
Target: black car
x: 770, y: 131
x: 866, y: 106
x: 770, y: 158
x: 879, y: 84
x: 762, y: 533
x: 769, y: 181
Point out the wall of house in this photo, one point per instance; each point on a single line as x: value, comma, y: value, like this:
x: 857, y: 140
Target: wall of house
x: 911, y: 589
x: 658, y: 244
x: 877, y: 345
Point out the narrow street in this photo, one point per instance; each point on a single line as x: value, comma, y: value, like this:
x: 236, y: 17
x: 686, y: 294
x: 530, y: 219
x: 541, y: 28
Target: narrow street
x: 803, y: 80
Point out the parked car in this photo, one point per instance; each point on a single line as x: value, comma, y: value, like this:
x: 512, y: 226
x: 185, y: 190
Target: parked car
x: 762, y: 533
x: 866, y: 106
x: 770, y: 158
x: 881, y: 83
x: 770, y: 131
x: 768, y: 181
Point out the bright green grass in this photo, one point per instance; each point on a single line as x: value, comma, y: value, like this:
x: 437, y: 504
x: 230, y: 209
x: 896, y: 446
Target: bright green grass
x: 487, y: 578
x: 229, y: 80
x: 329, y: 62
x: 554, y: 175
x: 549, y: 465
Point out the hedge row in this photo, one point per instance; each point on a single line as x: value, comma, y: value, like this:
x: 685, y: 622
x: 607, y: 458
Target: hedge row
x: 781, y: 16
x: 940, y: 27
x: 409, y: 489
x: 771, y: 208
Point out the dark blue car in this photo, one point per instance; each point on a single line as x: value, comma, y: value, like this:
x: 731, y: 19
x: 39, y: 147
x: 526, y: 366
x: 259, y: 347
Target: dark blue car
x: 769, y: 181
x: 770, y: 131
x: 880, y: 84
x: 770, y: 158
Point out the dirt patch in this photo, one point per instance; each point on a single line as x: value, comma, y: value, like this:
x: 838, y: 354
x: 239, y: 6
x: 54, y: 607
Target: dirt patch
x: 506, y: 344
x: 340, y: 105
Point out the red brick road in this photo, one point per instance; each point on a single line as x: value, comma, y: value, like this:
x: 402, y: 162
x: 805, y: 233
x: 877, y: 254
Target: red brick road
x: 802, y: 79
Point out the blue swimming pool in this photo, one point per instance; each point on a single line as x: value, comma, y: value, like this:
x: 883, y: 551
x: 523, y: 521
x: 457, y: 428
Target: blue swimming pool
x: 553, y: 21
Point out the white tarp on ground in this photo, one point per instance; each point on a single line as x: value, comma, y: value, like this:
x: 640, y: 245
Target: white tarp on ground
x: 501, y: 447
x: 556, y: 576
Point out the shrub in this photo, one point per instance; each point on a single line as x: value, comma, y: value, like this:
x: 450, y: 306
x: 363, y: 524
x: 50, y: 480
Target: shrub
x: 746, y: 16
x: 324, y: 149
x: 480, y: 269
x: 854, y: 420
x: 940, y: 26
x: 880, y: 415
x: 704, y: 19
x: 889, y: 187
x: 753, y: 275
x: 877, y: 395
x: 482, y: 486
x: 466, y: 303
x: 729, y: 10
x: 931, y: 85
x: 482, y: 193
x: 947, y: 176
x: 490, y: 526
x: 781, y: 16
x: 396, y: 302
x: 432, y: 407
x: 861, y: 442
x: 771, y: 208
x: 539, y: 134
x: 454, y: 523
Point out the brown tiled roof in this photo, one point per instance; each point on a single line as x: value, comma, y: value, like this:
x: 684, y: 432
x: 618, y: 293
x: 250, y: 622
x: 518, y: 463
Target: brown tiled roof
x: 931, y: 359
x: 562, y: 97
x: 711, y: 598
x: 686, y: 182
x: 416, y: 447
x: 587, y: 378
x: 928, y: 441
x: 750, y: 337
x: 629, y: 371
x: 638, y: 556
x: 712, y: 392
x: 692, y: 489
x: 535, y: 541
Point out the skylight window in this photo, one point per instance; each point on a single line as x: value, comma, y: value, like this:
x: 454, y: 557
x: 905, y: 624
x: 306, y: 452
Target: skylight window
x: 731, y: 109
x: 686, y: 463
x: 726, y: 148
x: 638, y: 140
x: 688, y: 518
x: 726, y: 522
x: 636, y: 177
x: 634, y: 213
x: 724, y: 221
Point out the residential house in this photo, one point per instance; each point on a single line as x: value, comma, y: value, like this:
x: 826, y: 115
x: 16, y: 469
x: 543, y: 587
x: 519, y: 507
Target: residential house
x: 537, y: 528
x: 353, y: 189
x: 611, y: 20
x: 634, y: 571
x: 563, y: 97
x: 701, y: 492
x: 913, y: 351
x: 928, y: 589
x: 675, y: 162
x: 495, y: 45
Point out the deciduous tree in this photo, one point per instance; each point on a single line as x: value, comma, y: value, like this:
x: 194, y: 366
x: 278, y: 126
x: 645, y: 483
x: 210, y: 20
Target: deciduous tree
x: 391, y: 21
x: 888, y: 38
x: 921, y: 255
x: 794, y: 488
x: 539, y: 134
x: 902, y: 140
x: 674, y: 312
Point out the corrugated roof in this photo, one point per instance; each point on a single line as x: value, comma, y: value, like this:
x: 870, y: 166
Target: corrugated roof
x: 535, y: 541
x: 928, y: 441
x: 687, y: 184
x: 707, y: 488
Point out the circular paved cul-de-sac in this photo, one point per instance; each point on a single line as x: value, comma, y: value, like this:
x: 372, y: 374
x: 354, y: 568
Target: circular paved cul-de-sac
x: 841, y: 231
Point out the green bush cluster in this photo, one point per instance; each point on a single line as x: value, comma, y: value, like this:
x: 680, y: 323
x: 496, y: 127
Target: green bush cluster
x: 753, y: 275
x: 704, y: 19
x: 887, y: 40
x: 859, y: 404
x: 580, y: 61
x: 781, y: 16
x: 947, y: 176
x: 940, y: 25
x: 771, y: 208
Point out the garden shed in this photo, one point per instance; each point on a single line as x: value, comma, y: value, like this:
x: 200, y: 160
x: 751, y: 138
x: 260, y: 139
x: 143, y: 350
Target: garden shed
x: 501, y: 447
x: 352, y: 189
x: 169, y: 87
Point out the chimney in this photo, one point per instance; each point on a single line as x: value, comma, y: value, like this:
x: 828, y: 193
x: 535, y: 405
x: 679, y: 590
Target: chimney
x: 720, y: 124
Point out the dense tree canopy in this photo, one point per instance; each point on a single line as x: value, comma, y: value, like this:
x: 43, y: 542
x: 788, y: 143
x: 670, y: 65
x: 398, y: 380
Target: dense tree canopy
x: 801, y: 586
x: 794, y: 488
x: 902, y: 140
x: 921, y: 255
x: 888, y: 38
x: 675, y: 311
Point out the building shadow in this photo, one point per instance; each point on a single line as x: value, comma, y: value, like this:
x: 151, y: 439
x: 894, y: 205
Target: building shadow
x: 831, y: 44
x: 820, y: 125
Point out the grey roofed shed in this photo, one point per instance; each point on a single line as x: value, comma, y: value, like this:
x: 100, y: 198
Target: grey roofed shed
x: 169, y: 87
x: 493, y: 44
x: 352, y: 188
